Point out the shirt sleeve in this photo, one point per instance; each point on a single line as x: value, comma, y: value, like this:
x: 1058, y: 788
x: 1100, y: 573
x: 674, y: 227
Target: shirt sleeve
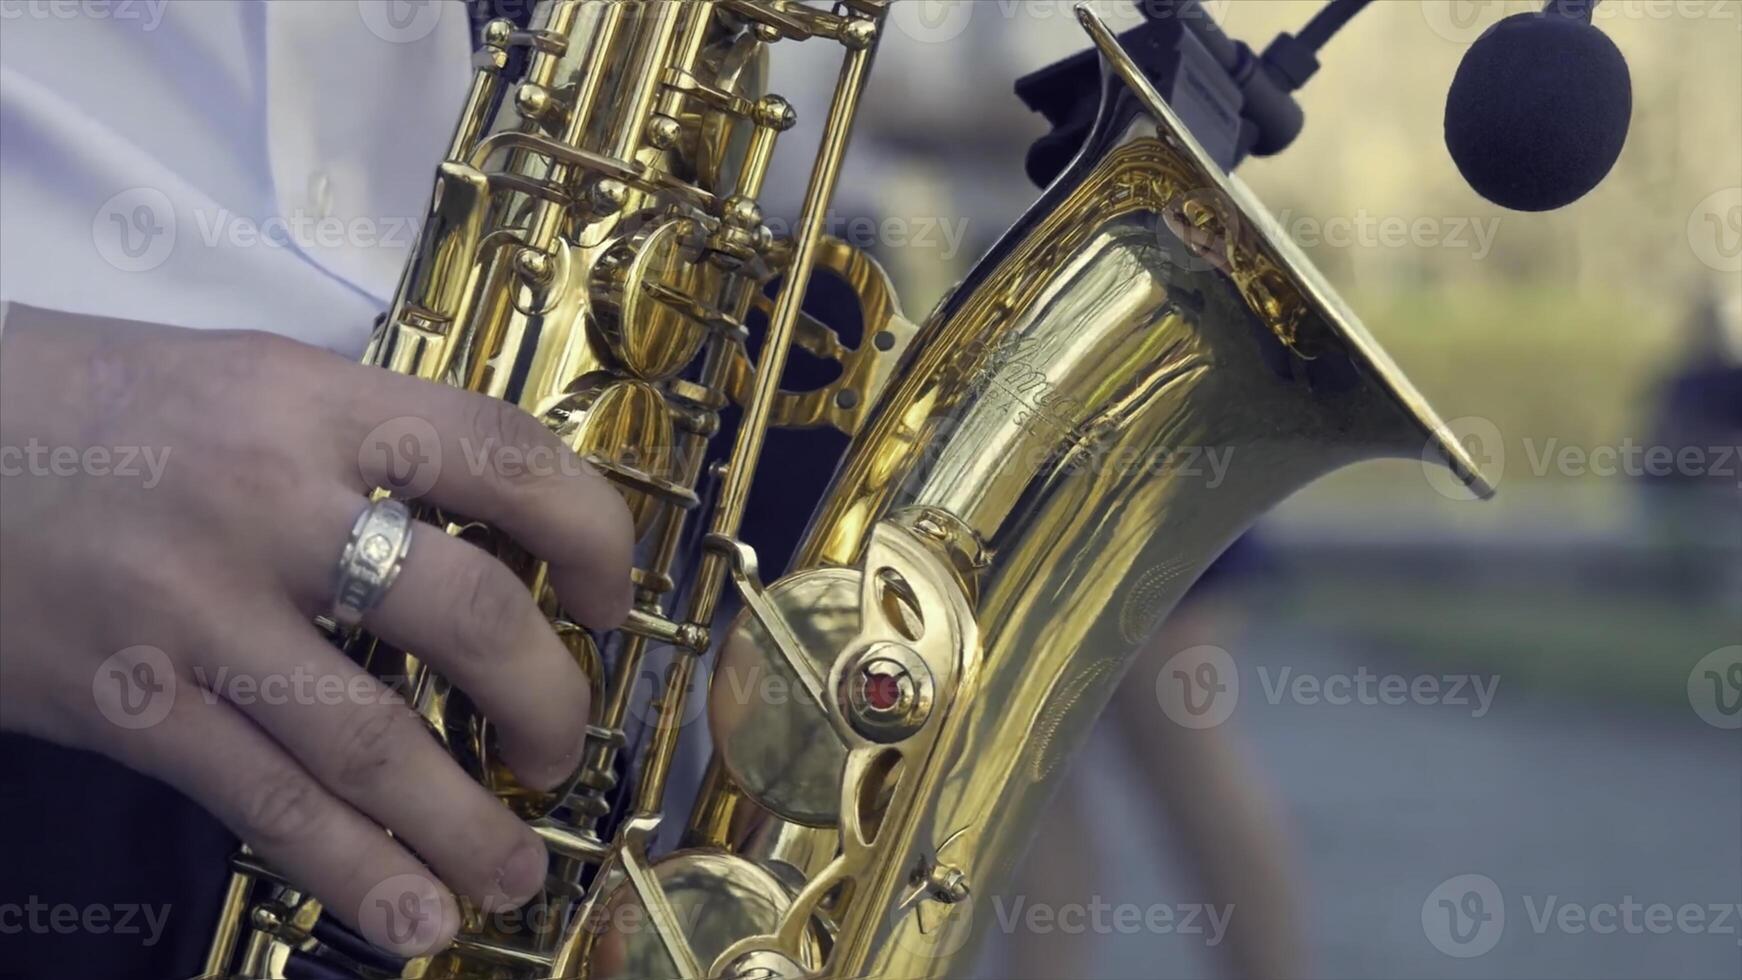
x: 219, y: 164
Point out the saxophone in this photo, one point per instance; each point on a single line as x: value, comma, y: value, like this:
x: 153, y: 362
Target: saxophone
x: 1002, y: 535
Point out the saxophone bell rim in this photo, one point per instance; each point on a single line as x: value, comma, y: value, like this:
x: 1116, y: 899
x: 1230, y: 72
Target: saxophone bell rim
x: 1440, y: 443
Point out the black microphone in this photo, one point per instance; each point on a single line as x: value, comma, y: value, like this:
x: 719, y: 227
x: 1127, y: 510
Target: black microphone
x: 1539, y: 109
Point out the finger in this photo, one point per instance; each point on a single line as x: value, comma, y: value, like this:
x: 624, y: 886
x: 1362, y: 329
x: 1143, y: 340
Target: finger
x: 359, y: 740
x: 469, y: 616
x: 218, y: 758
x: 486, y: 459
x: 459, y: 608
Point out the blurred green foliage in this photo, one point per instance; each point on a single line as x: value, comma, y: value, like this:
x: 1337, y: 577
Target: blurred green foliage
x: 1553, y: 638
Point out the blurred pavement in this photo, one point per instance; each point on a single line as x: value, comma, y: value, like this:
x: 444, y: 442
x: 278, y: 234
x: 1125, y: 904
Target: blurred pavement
x: 1555, y: 801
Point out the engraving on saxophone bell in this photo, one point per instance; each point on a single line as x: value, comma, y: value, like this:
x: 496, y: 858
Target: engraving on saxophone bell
x: 1149, y: 597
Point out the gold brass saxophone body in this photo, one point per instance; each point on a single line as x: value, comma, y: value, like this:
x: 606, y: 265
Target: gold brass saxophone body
x: 1006, y: 529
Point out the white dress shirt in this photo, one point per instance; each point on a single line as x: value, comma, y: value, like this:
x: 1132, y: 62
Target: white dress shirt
x: 216, y: 164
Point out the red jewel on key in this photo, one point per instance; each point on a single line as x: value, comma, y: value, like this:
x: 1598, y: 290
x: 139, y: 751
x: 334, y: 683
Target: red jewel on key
x: 882, y: 692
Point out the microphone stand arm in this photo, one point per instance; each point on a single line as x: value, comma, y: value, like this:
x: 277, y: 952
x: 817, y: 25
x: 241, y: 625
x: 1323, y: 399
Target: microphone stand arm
x: 1236, y: 102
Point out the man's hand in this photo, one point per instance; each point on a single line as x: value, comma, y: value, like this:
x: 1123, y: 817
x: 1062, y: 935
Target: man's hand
x: 174, y: 507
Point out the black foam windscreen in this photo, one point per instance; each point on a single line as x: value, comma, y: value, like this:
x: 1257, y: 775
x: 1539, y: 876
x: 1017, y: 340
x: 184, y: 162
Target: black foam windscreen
x: 1538, y: 111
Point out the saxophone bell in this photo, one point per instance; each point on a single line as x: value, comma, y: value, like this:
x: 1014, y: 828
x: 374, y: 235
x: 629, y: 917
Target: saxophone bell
x: 1022, y: 479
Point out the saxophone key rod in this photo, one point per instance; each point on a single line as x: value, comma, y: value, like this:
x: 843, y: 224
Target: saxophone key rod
x: 502, y: 953
x: 566, y: 843
x: 336, y: 937
x: 548, y: 217
x: 792, y: 20
x: 747, y: 449
x: 489, y: 60
x: 230, y: 922
x: 685, y: 636
x: 860, y: 40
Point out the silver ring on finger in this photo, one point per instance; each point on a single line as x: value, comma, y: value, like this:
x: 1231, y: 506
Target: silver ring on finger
x: 373, y: 556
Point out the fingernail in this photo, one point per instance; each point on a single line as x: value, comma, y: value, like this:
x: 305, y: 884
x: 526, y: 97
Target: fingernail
x: 409, y: 914
x: 537, y: 769
x: 522, y: 876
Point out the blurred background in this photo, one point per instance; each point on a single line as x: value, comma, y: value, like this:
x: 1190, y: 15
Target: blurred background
x: 1568, y: 746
